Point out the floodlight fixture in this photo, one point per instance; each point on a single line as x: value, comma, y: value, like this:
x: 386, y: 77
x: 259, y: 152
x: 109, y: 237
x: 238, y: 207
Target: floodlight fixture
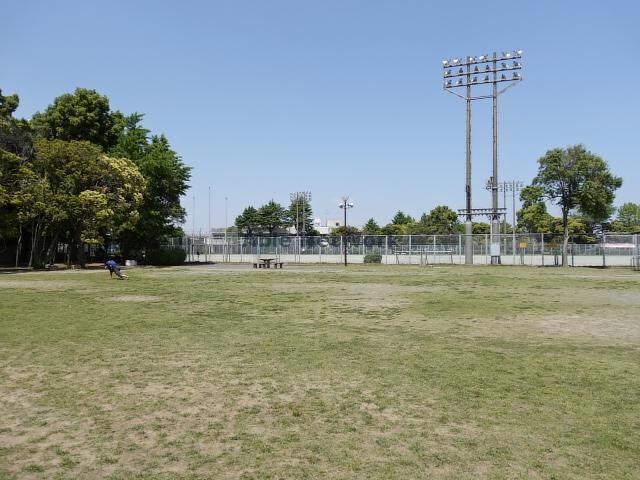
x: 445, y: 62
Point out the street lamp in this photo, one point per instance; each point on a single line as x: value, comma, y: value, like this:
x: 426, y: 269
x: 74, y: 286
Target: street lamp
x: 344, y: 204
x: 465, y: 73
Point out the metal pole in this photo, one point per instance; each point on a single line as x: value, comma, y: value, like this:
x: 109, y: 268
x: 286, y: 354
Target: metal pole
x: 513, y: 216
x: 206, y: 258
x: 495, y: 226
x: 468, y: 225
x: 226, y: 248
x: 193, y: 220
x: 344, y: 233
x: 504, y: 202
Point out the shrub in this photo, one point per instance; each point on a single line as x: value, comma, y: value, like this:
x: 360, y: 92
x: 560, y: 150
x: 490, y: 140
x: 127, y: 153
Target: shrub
x: 166, y: 256
x: 373, y: 258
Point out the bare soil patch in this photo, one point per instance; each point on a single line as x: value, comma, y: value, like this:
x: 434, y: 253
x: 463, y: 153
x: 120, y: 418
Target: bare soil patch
x: 136, y: 298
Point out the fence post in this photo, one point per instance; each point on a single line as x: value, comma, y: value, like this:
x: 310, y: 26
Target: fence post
x: 542, y: 242
x: 459, y: 248
x: 386, y: 249
x: 486, y: 249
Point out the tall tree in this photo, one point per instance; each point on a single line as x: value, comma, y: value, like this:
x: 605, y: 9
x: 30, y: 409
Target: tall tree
x: 576, y: 179
x: 83, y: 115
x: 300, y: 215
x: 248, y: 221
x: 371, y: 228
x: 629, y: 216
x: 400, y: 218
x: 272, y: 216
x: 166, y: 179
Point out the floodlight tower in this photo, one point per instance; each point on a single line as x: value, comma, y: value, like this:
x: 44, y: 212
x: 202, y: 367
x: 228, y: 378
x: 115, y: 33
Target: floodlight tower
x: 496, y: 69
x: 344, y: 204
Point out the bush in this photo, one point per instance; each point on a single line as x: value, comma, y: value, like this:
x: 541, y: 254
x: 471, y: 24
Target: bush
x: 373, y: 258
x: 165, y: 256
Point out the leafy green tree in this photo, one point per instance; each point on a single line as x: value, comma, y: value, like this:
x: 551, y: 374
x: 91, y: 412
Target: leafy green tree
x: 481, y: 228
x: 576, y: 179
x: 629, y: 217
x: 16, y: 149
x: 15, y: 134
x: 371, y: 228
x: 533, y: 216
x: 300, y: 215
x: 88, y: 193
x: 248, y: 221
x: 400, y: 218
x: 83, y: 115
x: 166, y: 178
x: 272, y: 216
x: 441, y: 220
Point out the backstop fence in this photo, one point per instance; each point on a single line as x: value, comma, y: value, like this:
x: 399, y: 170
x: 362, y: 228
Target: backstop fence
x: 519, y: 249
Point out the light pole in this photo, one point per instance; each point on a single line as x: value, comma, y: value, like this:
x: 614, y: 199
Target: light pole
x: 344, y: 204
x: 496, y: 70
x: 514, y: 186
x: 300, y: 198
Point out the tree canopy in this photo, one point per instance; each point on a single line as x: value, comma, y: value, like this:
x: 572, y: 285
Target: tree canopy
x: 576, y: 180
x: 79, y: 173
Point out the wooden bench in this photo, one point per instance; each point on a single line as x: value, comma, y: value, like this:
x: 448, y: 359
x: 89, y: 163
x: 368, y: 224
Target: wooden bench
x: 275, y: 265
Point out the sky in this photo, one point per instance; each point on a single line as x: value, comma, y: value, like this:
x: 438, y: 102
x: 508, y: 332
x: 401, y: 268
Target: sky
x: 338, y: 97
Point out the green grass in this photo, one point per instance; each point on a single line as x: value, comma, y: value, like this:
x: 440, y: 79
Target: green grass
x: 374, y: 372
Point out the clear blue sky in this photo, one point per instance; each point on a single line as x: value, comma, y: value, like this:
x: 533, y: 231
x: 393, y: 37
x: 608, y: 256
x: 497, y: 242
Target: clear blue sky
x: 263, y: 98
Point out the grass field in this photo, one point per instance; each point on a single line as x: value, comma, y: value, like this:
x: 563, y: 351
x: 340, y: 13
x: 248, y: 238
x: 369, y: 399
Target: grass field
x: 317, y: 372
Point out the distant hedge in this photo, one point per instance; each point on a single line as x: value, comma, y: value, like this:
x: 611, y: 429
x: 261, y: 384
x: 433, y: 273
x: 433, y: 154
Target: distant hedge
x: 373, y: 258
x: 166, y: 256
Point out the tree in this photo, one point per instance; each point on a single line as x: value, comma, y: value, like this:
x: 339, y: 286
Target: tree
x: 576, y: 179
x: 629, y: 217
x: 371, y: 228
x: 15, y: 134
x: 400, y: 218
x: 248, y: 221
x: 441, y: 220
x: 83, y: 115
x: 272, y: 216
x: 481, y: 228
x: 87, y: 193
x: 166, y: 178
x: 348, y: 230
x: 533, y: 216
x: 300, y: 215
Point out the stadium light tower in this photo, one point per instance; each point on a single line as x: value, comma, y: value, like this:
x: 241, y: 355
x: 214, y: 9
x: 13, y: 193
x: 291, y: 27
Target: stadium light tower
x: 344, y: 204
x: 472, y: 72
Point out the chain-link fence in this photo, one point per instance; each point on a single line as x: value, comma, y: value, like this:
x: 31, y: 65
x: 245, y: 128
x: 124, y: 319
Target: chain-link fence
x: 518, y: 249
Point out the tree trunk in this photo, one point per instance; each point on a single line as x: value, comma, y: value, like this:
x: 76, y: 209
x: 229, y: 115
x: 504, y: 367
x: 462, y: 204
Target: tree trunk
x: 565, y: 240
x: 80, y: 249
x: 19, y: 245
x: 52, y: 248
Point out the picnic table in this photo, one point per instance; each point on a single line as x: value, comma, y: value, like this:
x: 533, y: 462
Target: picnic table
x: 266, y: 263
